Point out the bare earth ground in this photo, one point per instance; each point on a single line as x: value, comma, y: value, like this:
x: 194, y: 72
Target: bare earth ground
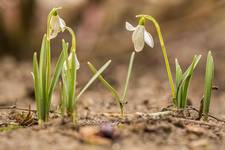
x: 99, y: 126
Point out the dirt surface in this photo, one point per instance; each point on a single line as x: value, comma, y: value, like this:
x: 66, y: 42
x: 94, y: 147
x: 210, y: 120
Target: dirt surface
x: 99, y: 125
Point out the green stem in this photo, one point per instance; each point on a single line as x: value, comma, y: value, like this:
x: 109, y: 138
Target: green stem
x: 128, y: 76
x: 150, y: 18
x: 109, y: 87
x: 73, y: 47
x: 122, y: 111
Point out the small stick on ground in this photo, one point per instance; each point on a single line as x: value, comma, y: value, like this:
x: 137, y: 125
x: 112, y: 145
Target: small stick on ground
x: 195, y: 109
x: 16, y: 108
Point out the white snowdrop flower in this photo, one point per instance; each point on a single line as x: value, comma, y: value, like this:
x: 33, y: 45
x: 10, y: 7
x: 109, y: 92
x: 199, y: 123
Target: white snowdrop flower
x: 140, y: 36
x: 57, y: 25
x: 70, y: 62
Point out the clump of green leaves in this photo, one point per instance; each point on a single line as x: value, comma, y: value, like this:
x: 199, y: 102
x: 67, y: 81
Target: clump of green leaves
x: 68, y: 93
x: 183, y: 82
x: 209, y: 75
x: 44, y: 80
x: 180, y: 91
x: 121, y: 100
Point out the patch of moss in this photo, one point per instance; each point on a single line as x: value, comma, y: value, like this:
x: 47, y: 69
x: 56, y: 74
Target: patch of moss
x: 10, y: 127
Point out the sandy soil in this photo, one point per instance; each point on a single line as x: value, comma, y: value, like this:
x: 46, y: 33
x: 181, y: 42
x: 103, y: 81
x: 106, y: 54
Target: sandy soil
x: 99, y: 125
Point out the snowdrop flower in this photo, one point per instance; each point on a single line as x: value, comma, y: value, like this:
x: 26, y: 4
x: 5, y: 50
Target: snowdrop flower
x: 140, y: 36
x: 70, y: 62
x: 57, y: 25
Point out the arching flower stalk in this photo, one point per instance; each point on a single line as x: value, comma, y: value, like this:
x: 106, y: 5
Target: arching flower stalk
x: 139, y: 38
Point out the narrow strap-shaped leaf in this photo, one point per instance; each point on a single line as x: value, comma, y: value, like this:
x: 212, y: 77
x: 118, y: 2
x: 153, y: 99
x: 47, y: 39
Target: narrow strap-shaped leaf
x: 65, y: 72
x: 193, y: 65
x: 65, y: 81
x: 48, y: 65
x: 57, y: 72
x: 63, y: 97
x: 105, y: 83
x: 209, y: 75
x: 42, y: 53
x: 72, y: 83
x: 37, y: 91
x: 179, y: 77
x: 187, y: 79
x: 93, y: 78
x: 128, y: 77
x: 182, y: 87
x: 42, y: 64
x: 179, y: 73
x: 42, y: 75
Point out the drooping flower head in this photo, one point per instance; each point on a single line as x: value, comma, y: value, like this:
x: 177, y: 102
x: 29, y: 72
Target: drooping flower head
x: 140, y: 36
x: 55, y: 24
x: 70, y: 62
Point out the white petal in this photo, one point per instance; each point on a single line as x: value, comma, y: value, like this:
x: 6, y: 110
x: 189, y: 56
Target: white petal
x: 62, y: 24
x: 148, y: 39
x: 138, y: 38
x: 130, y: 27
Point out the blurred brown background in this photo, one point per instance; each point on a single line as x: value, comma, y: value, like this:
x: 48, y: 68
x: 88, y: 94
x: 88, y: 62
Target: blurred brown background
x: 189, y: 27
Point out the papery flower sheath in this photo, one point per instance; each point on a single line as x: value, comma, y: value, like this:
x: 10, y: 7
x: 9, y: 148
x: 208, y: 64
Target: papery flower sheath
x: 57, y: 25
x: 70, y: 62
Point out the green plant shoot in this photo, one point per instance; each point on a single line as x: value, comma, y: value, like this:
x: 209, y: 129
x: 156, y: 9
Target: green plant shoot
x: 68, y: 104
x: 69, y: 94
x: 121, y: 100
x: 183, y: 82
x: 209, y: 75
x: 44, y: 80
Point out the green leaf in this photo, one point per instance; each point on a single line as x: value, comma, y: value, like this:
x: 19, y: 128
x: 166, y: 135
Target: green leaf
x: 48, y: 65
x: 179, y: 77
x: 72, y: 83
x: 42, y: 66
x: 187, y: 80
x: 37, y: 89
x: 42, y: 54
x: 105, y: 83
x: 128, y: 77
x: 93, y: 78
x: 209, y: 75
x: 57, y: 72
x: 183, y: 84
x: 179, y: 73
x: 63, y: 97
x: 193, y: 65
